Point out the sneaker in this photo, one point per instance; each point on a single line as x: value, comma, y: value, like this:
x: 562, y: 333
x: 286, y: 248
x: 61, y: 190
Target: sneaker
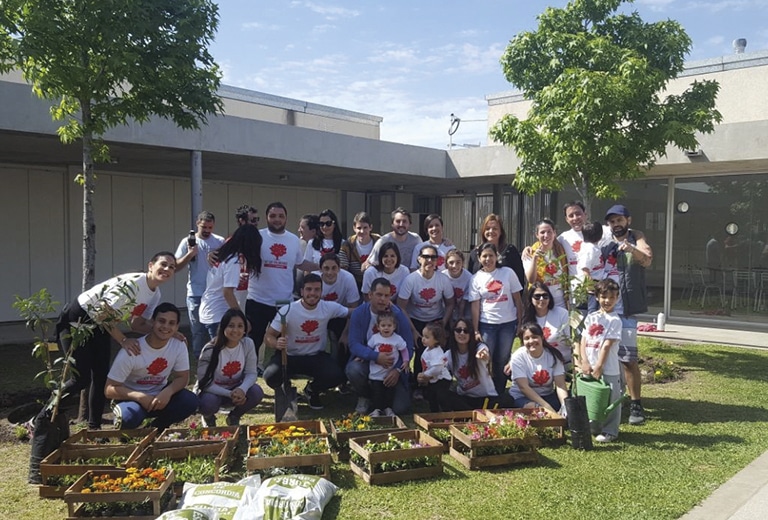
x: 344, y: 389
x: 606, y: 437
x: 118, y: 413
x: 376, y: 413
x: 636, y: 414
x: 389, y: 412
x: 233, y: 420
x: 209, y: 421
x: 418, y: 395
x: 313, y: 398
x: 363, y: 403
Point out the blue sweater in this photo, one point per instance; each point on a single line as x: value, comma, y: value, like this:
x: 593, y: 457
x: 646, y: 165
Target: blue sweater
x: 358, y: 332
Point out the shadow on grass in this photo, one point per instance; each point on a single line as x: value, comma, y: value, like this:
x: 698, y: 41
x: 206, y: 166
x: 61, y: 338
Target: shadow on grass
x: 697, y: 412
x: 677, y: 441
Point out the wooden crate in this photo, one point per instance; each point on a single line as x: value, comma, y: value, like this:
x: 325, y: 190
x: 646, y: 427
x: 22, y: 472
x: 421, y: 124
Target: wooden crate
x: 163, y: 440
x: 430, y: 422
x: 53, y: 465
x: 324, y: 460
x: 75, y: 498
x: 220, y: 451
x: 390, y: 425
x: 85, y: 439
x: 461, y: 443
x: 552, y: 420
x: 430, y: 448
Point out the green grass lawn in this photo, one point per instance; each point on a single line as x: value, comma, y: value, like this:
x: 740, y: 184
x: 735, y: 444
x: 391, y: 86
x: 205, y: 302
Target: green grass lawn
x: 701, y: 431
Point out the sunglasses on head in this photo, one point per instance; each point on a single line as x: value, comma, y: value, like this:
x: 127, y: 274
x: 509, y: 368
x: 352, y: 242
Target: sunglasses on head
x: 540, y: 296
x: 254, y: 220
x: 326, y: 223
x: 429, y: 257
x: 461, y: 330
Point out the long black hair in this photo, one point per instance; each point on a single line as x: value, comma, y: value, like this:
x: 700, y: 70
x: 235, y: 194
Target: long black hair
x: 536, y: 330
x: 529, y: 313
x: 220, y: 342
x: 472, y: 364
x: 246, y: 241
x: 317, y: 242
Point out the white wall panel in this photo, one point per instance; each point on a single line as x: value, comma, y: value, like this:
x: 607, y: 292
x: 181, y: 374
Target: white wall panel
x: 14, y: 255
x: 47, y: 232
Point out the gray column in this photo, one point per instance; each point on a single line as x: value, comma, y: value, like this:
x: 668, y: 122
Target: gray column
x: 196, y: 178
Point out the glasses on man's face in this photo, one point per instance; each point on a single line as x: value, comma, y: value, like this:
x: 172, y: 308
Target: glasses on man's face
x: 429, y: 257
x: 461, y: 330
x: 326, y: 223
x: 540, y: 296
x: 254, y: 220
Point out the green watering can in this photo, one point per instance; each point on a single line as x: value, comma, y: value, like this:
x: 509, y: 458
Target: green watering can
x: 598, y: 396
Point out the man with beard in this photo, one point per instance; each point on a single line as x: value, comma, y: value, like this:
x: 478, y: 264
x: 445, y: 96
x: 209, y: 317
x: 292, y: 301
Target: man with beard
x: 280, y: 255
x: 400, y: 235
x: 627, y: 256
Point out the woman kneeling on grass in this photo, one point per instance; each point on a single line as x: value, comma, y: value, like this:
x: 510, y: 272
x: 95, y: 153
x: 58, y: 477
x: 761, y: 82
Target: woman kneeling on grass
x: 227, y: 371
x: 538, y: 373
x: 469, y: 362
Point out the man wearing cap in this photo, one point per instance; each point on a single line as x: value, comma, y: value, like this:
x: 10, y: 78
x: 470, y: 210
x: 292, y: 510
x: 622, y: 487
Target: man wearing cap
x: 627, y: 255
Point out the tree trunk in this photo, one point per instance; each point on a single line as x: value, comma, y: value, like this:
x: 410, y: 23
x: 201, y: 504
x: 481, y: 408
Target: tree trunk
x: 89, y: 186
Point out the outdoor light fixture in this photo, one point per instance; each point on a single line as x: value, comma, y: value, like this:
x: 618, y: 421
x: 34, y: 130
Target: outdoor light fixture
x: 732, y: 228
x: 693, y: 153
x: 683, y: 207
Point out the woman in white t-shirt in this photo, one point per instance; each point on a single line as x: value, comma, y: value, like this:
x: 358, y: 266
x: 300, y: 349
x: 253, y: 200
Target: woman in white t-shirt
x: 328, y: 240
x: 546, y: 261
x: 470, y: 364
x: 554, y: 321
x: 433, y: 227
x: 388, y: 267
x: 496, y: 309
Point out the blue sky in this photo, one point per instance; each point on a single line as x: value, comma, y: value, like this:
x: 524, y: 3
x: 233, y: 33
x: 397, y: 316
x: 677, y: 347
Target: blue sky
x: 414, y: 63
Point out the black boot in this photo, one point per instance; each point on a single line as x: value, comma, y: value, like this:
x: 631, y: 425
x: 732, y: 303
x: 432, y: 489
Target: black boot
x: 578, y: 422
x: 46, y: 439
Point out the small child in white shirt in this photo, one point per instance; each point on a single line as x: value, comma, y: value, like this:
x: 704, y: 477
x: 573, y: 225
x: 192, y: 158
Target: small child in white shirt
x: 385, y: 341
x: 434, y: 363
x: 591, y: 266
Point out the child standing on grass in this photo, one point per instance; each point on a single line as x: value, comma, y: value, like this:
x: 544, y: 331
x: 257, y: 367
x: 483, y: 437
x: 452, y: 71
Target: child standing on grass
x: 599, y: 353
x: 385, y: 341
x: 434, y: 364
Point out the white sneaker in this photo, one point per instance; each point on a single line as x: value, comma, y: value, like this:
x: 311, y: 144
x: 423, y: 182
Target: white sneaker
x: 363, y: 403
x: 376, y: 413
x: 606, y: 437
x: 389, y: 412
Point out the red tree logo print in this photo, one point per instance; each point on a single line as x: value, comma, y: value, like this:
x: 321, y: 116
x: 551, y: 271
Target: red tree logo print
x: 541, y: 377
x: 331, y: 297
x: 325, y: 250
x: 139, y: 309
x: 427, y: 293
x: 576, y: 246
x: 463, y: 372
x: 363, y: 258
x: 386, y: 347
x: 231, y: 368
x: 440, y: 261
x: 494, y: 286
x: 277, y: 250
x: 595, y: 329
x: 392, y: 289
x: 551, y: 269
x: 547, y: 332
x: 458, y: 293
x: 157, y: 366
x: 611, y: 259
x: 309, y: 326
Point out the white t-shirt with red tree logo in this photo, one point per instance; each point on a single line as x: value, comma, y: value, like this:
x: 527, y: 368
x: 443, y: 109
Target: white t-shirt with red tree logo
x: 308, y: 329
x: 540, y: 372
x: 468, y: 383
x: 394, y: 344
x: 148, y: 372
x: 343, y: 291
x: 280, y: 254
x: 598, y: 327
x: 495, y: 291
x: 124, y: 293
x: 396, y: 279
x: 426, y: 297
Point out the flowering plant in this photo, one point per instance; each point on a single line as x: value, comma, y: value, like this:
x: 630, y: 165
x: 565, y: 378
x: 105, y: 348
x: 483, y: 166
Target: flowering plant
x: 354, y: 422
x: 516, y: 426
x: 270, y: 430
x: 391, y: 444
x: 285, y: 445
x: 197, y: 431
x: 146, y: 479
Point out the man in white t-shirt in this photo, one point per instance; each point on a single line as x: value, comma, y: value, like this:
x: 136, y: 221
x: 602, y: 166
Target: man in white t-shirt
x: 304, y: 338
x: 406, y: 240
x: 153, y: 383
x: 280, y: 255
x: 205, y: 242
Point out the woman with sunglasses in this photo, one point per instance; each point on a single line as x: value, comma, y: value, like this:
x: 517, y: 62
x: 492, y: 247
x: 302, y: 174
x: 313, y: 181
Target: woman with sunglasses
x: 554, y: 321
x: 496, y: 310
x: 470, y: 364
x: 388, y: 267
x: 425, y: 296
x: 546, y: 261
x: 433, y: 228
x: 327, y: 240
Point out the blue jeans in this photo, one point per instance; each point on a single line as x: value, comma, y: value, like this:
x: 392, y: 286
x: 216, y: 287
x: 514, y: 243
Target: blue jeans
x: 357, y: 373
x: 182, y: 405
x: 499, y: 338
x: 199, y: 331
x: 211, y: 403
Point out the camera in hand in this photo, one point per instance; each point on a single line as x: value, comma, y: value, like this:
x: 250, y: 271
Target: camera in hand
x: 192, y: 242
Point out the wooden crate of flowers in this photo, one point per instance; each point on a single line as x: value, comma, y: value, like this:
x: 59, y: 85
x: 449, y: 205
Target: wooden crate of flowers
x: 135, y: 493
x: 296, y: 429
x: 436, y: 424
x: 551, y: 426
x: 499, y: 442
x: 288, y: 451
x: 64, y: 466
x: 196, y: 434
x: 395, y: 457
x: 86, y: 439
x: 356, y: 425
x: 198, y: 464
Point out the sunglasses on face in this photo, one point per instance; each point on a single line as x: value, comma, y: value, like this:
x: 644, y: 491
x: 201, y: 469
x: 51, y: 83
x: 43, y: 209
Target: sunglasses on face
x: 461, y: 330
x: 540, y: 296
x: 429, y: 257
x: 254, y: 220
x: 326, y: 223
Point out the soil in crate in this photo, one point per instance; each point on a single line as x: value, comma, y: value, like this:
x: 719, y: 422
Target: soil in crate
x: 396, y: 465
x: 200, y: 464
x: 175, y: 437
x: 341, y: 438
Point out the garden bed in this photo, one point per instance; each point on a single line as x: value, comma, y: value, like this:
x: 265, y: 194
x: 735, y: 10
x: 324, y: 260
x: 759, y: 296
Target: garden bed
x: 349, y: 428
x: 382, y: 459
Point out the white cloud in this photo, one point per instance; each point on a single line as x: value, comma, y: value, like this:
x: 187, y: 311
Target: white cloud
x: 261, y: 26
x: 324, y: 28
x: 330, y: 12
x: 656, y: 5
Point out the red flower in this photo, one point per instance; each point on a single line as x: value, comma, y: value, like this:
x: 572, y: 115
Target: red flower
x: 157, y: 366
x: 551, y: 269
x: 541, y: 377
x: 231, y: 368
x: 576, y: 246
x: 278, y: 250
x: 386, y: 347
x: 427, y: 293
x: 547, y: 332
x: 595, y: 329
x: 494, y: 286
x: 331, y: 297
x: 139, y: 309
x: 309, y: 326
x: 458, y: 293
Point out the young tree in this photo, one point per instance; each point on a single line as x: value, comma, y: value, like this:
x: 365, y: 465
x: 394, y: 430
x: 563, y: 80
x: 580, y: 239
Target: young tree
x: 595, y: 78
x: 105, y: 62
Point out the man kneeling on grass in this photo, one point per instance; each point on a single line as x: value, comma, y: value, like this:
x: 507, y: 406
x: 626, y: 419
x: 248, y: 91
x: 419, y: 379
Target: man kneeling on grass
x: 153, y: 383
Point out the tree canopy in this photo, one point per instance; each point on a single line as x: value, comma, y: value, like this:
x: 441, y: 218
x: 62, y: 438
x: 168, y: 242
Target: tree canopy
x: 596, y: 77
x: 106, y: 62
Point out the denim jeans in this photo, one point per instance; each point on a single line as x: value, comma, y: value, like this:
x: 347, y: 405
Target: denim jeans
x: 181, y: 405
x: 357, y: 373
x: 211, y: 403
x: 199, y: 331
x: 499, y: 338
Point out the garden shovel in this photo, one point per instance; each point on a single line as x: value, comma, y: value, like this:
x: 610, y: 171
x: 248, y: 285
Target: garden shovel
x: 286, y: 397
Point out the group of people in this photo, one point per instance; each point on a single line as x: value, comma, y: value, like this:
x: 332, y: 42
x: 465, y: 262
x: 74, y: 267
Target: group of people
x: 405, y: 318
